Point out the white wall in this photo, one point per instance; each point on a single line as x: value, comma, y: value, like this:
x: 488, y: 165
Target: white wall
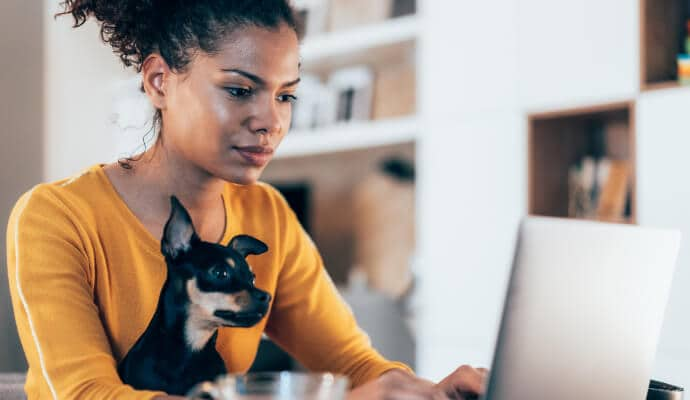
x: 471, y: 187
x: 572, y: 52
x: 80, y: 75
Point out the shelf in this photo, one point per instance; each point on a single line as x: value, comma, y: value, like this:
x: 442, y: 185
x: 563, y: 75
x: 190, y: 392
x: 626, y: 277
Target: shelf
x: 661, y: 86
x: 350, y: 136
x: 560, y: 139
x: 668, y: 85
x: 662, y: 35
x: 337, y: 48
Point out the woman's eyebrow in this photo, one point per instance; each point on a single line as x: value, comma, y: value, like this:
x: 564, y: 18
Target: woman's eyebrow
x: 246, y: 74
x: 256, y: 79
x: 292, y: 83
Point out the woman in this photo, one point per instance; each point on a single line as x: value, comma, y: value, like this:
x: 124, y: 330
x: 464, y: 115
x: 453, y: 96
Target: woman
x: 84, y: 253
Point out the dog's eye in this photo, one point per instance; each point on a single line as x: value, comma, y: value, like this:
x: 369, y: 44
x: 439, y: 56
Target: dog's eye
x: 219, y: 272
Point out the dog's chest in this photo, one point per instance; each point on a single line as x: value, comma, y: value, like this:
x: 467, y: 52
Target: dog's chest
x: 159, y: 364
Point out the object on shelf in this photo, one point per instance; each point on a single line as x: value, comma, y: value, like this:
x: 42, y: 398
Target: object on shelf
x: 354, y: 90
x: 312, y: 16
x: 598, y: 187
x: 346, y: 14
x: 394, y: 91
x: 614, y: 192
x: 403, y: 7
x: 316, y: 105
x: 684, y: 69
x: 384, y: 227
x: 581, y: 182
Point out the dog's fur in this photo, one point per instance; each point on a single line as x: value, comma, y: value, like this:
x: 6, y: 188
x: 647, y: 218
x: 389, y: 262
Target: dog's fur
x: 208, y: 286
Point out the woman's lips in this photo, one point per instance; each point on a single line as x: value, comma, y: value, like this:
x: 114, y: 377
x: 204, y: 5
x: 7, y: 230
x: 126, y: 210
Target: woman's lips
x: 256, y: 155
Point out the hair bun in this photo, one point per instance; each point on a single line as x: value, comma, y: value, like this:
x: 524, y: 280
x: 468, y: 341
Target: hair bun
x: 128, y: 26
x: 174, y: 28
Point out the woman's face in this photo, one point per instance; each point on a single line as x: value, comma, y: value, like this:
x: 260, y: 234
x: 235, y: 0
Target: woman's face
x: 230, y: 110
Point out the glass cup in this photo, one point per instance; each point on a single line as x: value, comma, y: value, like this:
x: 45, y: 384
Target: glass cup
x: 272, y: 386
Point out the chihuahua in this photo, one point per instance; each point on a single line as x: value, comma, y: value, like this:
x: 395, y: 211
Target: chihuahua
x: 208, y: 286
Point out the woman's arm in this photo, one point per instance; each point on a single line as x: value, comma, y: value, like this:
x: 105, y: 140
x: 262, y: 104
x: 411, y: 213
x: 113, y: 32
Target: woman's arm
x: 58, y: 321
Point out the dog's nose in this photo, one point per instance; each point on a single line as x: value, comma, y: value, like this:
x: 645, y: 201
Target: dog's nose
x: 262, y: 297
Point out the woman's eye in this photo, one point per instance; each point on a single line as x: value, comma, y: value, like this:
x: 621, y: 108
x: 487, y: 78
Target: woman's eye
x: 287, y: 98
x: 238, y: 92
x: 219, y: 272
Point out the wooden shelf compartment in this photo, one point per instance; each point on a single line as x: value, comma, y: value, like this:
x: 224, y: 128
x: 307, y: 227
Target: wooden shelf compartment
x: 558, y: 140
x: 662, y: 37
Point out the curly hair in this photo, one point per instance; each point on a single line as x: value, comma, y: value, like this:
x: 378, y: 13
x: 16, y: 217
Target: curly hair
x: 175, y: 29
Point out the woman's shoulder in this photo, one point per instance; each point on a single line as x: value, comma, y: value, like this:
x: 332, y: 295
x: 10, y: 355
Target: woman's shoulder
x: 74, y: 195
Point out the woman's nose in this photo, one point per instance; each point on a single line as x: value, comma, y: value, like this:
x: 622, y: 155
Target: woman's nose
x: 266, y: 120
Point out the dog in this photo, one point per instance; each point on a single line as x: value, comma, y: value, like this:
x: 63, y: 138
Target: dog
x: 208, y: 286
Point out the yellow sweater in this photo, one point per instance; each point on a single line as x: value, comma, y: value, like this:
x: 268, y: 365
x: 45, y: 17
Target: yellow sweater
x: 85, y: 276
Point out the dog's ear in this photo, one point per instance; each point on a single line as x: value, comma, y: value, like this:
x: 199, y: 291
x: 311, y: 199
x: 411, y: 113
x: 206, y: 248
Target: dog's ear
x: 179, y: 233
x: 245, y: 245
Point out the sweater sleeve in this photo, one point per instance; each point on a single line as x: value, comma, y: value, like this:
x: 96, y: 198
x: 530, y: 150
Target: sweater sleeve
x: 68, y: 352
x: 312, y: 322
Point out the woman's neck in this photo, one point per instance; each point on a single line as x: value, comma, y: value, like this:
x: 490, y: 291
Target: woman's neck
x: 197, y: 189
x: 155, y: 176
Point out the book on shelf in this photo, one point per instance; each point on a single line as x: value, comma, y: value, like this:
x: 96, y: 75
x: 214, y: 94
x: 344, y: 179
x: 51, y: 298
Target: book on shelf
x: 614, y: 192
x: 598, y: 189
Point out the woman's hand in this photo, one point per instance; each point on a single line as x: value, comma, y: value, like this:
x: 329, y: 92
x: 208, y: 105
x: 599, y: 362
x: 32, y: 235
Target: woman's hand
x: 464, y: 383
x: 397, y: 384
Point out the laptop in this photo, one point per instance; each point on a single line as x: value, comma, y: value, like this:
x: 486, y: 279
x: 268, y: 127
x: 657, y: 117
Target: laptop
x: 583, y: 311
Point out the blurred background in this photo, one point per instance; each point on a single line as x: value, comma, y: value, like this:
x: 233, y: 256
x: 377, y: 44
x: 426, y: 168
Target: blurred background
x: 424, y: 131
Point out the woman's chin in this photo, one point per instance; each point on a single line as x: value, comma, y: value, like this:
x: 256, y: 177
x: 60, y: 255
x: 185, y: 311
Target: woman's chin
x: 246, y: 177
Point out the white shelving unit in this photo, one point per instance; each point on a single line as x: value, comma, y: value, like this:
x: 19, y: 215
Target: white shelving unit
x: 351, y: 136
x: 370, y: 44
x: 359, y: 40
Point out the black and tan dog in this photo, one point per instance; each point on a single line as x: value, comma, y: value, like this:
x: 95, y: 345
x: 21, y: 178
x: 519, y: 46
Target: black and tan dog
x: 208, y: 286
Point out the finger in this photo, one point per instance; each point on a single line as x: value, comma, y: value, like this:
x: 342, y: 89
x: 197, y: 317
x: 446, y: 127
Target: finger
x: 484, y: 372
x: 464, y: 380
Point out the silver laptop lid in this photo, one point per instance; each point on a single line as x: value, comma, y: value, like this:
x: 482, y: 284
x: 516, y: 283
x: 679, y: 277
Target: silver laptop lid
x: 583, y: 311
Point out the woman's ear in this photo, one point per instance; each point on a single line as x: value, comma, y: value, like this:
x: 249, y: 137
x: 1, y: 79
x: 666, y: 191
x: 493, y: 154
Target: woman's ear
x: 155, y: 72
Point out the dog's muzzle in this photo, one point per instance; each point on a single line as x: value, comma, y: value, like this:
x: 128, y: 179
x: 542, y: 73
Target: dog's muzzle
x: 258, y: 309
